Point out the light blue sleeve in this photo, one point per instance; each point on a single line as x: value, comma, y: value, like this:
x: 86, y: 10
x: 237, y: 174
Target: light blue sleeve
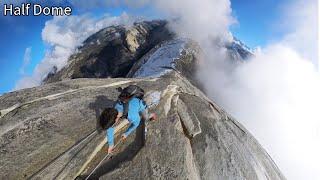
x: 119, y: 107
x: 110, y: 134
x: 132, y: 127
x: 142, y: 106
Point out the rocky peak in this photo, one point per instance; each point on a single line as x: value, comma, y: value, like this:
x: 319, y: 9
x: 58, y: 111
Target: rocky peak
x: 112, y: 51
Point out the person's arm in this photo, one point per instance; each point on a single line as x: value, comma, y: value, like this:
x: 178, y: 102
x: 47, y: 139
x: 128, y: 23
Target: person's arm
x: 119, y: 108
x: 110, y: 138
x: 131, y: 128
x: 118, y: 117
x: 144, y: 112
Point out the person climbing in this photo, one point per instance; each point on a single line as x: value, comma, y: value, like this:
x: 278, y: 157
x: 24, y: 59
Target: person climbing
x: 131, y: 106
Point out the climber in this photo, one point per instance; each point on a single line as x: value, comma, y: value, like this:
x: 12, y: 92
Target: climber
x: 131, y: 106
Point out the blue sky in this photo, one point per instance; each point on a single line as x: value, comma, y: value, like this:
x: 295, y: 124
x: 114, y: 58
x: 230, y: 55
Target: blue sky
x: 254, y: 27
x: 256, y: 20
x: 17, y: 34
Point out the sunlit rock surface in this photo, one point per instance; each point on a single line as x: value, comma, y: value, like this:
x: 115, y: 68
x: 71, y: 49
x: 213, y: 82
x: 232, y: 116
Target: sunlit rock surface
x: 51, y: 132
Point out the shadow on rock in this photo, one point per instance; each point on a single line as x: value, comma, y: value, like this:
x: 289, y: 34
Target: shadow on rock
x: 98, y: 106
x: 126, y: 155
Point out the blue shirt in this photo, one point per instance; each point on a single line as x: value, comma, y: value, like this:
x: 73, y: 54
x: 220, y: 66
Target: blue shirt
x: 135, y: 107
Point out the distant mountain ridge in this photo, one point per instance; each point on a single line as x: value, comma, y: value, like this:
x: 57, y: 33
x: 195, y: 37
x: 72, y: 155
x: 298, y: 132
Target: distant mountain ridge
x: 114, y: 50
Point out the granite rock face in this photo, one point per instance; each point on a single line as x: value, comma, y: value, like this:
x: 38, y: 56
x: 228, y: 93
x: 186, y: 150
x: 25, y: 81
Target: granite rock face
x: 51, y: 132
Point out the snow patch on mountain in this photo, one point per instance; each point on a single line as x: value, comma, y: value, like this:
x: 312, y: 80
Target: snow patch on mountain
x: 163, y: 59
x: 237, y: 43
x: 238, y: 50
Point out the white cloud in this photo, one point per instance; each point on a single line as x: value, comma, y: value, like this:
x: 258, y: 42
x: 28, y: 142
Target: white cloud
x: 276, y: 96
x: 276, y: 93
x: 26, y: 60
x: 203, y: 21
x: 302, y: 25
x: 198, y: 20
x: 63, y: 35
